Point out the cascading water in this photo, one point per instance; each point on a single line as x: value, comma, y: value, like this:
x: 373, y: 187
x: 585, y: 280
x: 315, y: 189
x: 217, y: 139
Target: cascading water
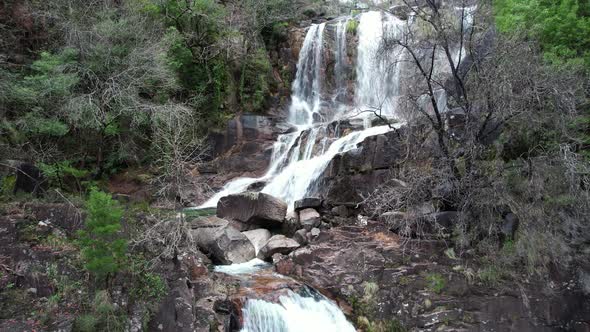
x: 378, y: 72
x: 300, y: 157
x: 295, y: 313
x: 306, y: 97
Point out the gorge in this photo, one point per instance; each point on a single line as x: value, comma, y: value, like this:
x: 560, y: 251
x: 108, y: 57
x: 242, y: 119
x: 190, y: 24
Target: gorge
x: 294, y: 166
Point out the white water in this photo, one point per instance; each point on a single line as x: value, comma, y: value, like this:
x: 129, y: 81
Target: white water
x: 307, y: 87
x: 248, y: 267
x: 378, y: 72
x: 294, y: 313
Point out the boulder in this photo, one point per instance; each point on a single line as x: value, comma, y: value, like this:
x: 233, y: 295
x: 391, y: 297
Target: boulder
x: 224, y: 242
x: 258, y: 237
x: 315, y: 232
x: 300, y: 237
x: 278, y: 244
x: 309, y: 218
x: 253, y: 208
x: 309, y: 202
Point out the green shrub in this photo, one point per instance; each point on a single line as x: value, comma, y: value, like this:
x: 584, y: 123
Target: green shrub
x: 436, y: 282
x: 102, y: 246
x: 7, y: 185
x: 352, y: 26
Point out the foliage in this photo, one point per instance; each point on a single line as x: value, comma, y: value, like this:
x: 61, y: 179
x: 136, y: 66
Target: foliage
x: 103, y: 317
x: 146, y: 285
x: 352, y: 26
x: 7, y: 185
x: 562, y: 27
x: 254, y: 86
x: 436, y: 282
x: 102, y: 247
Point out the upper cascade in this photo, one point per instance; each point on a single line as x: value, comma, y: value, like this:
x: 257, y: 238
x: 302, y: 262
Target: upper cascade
x: 321, y: 99
x: 299, y: 158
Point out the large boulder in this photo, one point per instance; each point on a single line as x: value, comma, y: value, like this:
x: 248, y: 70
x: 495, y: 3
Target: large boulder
x: 277, y: 244
x: 253, y: 208
x: 258, y: 237
x: 308, y: 202
x: 222, y: 241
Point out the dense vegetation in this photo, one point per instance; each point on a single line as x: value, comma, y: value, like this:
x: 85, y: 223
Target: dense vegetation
x: 93, y: 87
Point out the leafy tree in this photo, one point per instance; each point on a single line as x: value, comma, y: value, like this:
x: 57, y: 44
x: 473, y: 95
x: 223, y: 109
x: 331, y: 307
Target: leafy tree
x: 562, y: 27
x: 102, y: 246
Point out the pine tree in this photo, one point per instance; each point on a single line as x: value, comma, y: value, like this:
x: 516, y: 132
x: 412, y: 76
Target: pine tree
x: 102, y: 246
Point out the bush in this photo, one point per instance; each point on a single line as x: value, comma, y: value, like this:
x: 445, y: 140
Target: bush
x: 102, y: 247
x: 352, y: 26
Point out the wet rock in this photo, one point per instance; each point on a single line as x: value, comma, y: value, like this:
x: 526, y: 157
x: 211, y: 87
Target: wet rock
x: 224, y: 242
x: 300, y: 237
x: 309, y: 218
x: 253, y: 208
x: 309, y: 202
x: 258, y: 237
x: 278, y: 244
x: 256, y: 186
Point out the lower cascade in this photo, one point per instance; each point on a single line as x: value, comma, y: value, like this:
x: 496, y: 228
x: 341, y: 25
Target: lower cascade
x: 295, y: 313
x: 299, y: 308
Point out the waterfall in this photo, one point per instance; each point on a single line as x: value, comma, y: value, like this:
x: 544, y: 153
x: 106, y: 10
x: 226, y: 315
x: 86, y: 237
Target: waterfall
x: 295, y: 313
x: 377, y: 71
x: 296, y: 180
x: 299, y: 158
x: 306, y: 96
x: 340, y: 65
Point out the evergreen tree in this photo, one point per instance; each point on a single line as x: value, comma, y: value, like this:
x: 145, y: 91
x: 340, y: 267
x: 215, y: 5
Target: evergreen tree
x: 102, y: 246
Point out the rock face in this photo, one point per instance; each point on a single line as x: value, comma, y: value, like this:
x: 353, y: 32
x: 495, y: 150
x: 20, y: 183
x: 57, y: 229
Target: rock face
x: 176, y: 311
x: 253, y: 208
x: 258, y: 237
x: 345, y: 261
x: 359, y: 171
x: 277, y: 244
x: 224, y: 242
